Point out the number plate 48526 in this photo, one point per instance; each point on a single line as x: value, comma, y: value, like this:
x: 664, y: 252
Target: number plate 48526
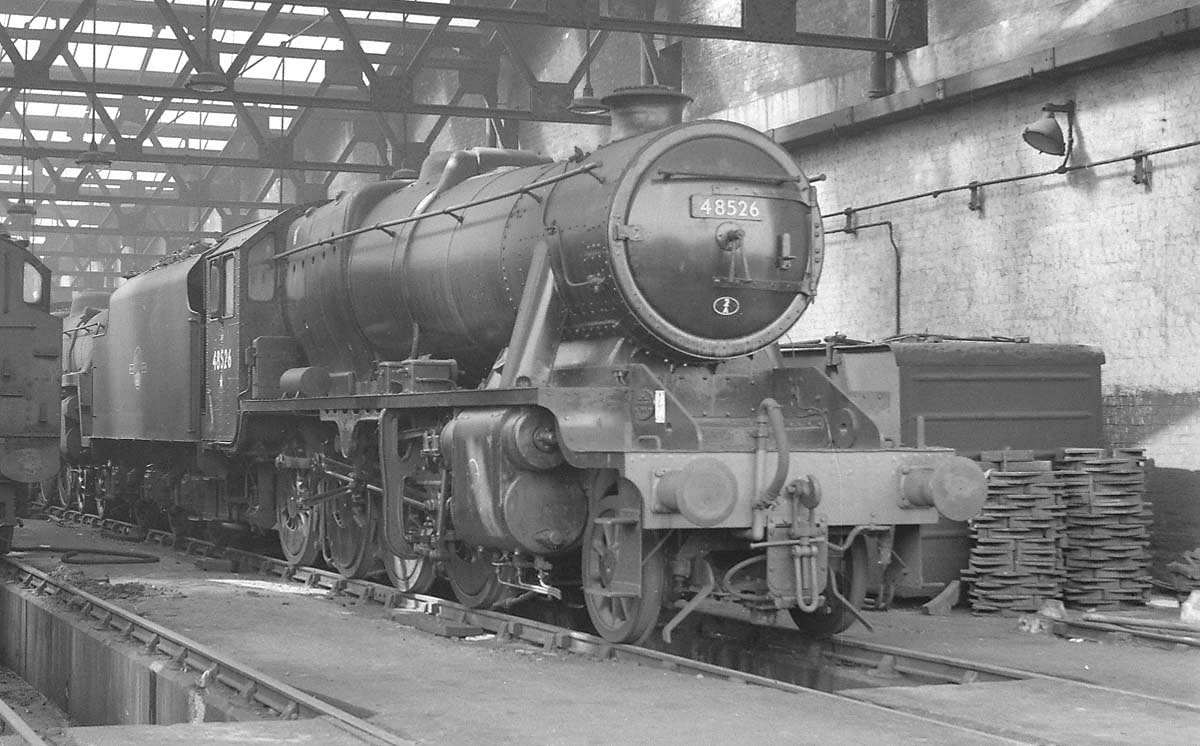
x: 726, y: 207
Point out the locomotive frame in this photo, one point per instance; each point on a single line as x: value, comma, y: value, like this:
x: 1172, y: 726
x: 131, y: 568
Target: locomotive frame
x: 535, y: 378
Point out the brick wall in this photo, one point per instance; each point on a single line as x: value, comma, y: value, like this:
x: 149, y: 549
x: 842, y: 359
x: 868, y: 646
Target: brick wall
x: 1086, y: 257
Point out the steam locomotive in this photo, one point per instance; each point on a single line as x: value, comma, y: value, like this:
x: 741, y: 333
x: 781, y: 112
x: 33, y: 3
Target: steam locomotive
x: 533, y: 378
x: 29, y: 368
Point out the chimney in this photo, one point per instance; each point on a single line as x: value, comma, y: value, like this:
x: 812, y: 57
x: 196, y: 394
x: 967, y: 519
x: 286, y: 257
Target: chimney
x: 639, y: 109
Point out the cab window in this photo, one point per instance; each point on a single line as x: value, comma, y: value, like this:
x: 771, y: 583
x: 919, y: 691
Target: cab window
x: 222, y: 276
x: 260, y: 269
x: 33, y: 287
x: 230, y: 286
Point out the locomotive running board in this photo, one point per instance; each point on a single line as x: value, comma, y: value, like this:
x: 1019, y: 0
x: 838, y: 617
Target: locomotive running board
x: 423, y: 400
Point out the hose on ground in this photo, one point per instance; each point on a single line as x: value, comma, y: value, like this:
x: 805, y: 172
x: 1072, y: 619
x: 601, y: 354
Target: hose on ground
x: 72, y: 555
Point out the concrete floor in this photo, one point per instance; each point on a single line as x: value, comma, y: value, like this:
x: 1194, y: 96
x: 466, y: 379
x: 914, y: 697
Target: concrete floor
x: 438, y: 691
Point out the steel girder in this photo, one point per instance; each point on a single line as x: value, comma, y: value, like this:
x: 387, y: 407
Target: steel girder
x: 374, y: 70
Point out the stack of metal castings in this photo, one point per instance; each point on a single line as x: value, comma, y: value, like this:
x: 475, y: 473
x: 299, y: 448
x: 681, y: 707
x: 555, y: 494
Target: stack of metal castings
x: 1016, y: 559
x: 1107, y: 550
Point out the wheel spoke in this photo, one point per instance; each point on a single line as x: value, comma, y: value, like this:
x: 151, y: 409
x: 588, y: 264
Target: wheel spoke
x: 298, y: 527
x: 621, y: 608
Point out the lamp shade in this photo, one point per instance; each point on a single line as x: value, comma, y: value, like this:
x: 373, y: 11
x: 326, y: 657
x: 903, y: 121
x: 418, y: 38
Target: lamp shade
x: 207, y: 81
x: 587, y: 104
x: 1045, y: 135
x: 93, y: 157
x: 21, y: 209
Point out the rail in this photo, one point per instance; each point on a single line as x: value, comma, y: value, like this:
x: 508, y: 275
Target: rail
x: 19, y: 726
x: 251, y: 687
x: 870, y: 659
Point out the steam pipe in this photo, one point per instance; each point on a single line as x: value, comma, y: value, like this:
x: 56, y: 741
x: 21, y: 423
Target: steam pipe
x: 877, y: 16
x: 770, y: 411
x: 464, y: 164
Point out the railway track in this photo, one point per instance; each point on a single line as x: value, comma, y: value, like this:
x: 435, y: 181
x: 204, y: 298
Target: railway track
x: 791, y: 654
x: 11, y: 722
x: 716, y: 648
x: 256, y: 694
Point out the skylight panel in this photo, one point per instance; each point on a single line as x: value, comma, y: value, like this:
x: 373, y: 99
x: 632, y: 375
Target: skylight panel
x: 231, y: 36
x: 170, y: 60
x: 28, y: 47
x: 70, y: 111
x: 308, y: 41
x: 83, y: 51
x: 219, y: 119
x: 140, y: 30
x: 254, y: 69
x: 126, y: 58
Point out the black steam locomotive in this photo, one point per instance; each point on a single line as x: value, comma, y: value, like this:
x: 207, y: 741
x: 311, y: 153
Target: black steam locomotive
x: 29, y: 367
x: 529, y: 377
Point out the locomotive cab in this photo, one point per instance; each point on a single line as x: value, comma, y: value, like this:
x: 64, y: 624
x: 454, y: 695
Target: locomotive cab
x: 246, y: 344
x: 29, y: 355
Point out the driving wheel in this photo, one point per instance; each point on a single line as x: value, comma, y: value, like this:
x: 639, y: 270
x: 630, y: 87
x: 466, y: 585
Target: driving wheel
x: 618, y: 557
x: 299, y: 527
x: 410, y: 574
x: 350, y: 534
x: 473, y: 578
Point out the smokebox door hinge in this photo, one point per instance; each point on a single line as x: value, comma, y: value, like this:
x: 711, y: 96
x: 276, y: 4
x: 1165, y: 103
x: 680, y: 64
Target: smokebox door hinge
x: 622, y: 232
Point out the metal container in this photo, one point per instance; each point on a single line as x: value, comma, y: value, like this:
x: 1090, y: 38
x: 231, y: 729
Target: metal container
x: 147, y: 379
x: 972, y: 396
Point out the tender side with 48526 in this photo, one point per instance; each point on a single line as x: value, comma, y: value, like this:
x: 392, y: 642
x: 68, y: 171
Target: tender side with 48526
x: 529, y: 377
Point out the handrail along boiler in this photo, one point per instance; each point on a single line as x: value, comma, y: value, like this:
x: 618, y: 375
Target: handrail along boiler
x: 29, y: 393
x: 533, y: 377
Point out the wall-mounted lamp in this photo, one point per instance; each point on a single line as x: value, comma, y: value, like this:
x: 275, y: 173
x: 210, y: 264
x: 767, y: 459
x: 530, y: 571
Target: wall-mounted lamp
x: 1046, y: 135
